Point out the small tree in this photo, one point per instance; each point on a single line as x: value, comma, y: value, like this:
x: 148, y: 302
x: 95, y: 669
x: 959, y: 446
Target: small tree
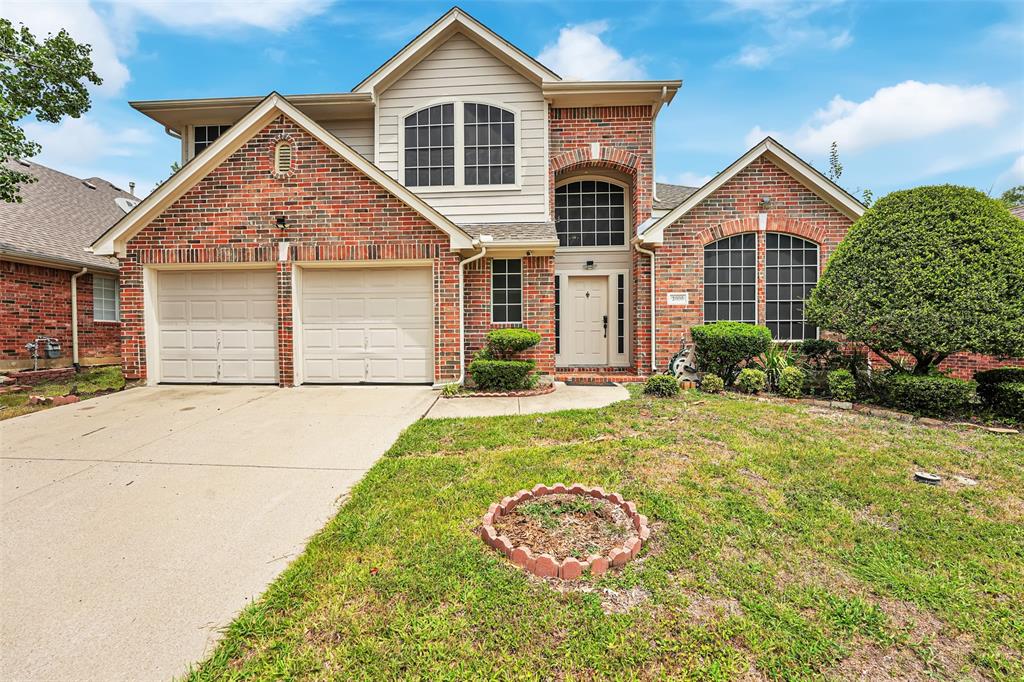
x: 930, y: 271
x: 46, y: 79
x: 1013, y: 196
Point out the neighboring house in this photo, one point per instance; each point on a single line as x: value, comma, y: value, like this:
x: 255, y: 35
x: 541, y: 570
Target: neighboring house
x: 377, y: 235
x: 1018, y: 211
x: 46, y: 271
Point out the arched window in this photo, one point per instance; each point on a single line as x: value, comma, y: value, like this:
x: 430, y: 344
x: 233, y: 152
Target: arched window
x: 283, y: 157
x: 791, y: 272
x: 430, y: 147
x: 730, y: 279
x: 590, y: 213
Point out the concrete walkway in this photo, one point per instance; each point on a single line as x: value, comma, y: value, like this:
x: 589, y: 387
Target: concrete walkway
x: 563, y: 398
x: 134, y: 526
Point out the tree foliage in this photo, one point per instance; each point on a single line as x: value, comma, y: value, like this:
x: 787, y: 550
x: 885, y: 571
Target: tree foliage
x: 46, y: 79
x: 1013, y: 196
x: 930, y: 271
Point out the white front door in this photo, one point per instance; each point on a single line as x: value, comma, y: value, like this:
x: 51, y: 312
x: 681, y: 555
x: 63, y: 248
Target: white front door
x: 367, y: 325
x: 588, y: 320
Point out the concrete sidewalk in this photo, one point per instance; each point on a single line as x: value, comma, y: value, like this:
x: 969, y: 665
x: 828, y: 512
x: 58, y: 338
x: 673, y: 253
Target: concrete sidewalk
x: 563, y: 398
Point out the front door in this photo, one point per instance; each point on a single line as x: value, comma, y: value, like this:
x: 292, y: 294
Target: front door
x: 588, y: 316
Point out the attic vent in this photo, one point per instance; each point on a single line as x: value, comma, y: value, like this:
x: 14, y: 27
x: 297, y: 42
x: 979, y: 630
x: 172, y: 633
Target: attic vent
x: 283, y: 157
x: 88, y: 184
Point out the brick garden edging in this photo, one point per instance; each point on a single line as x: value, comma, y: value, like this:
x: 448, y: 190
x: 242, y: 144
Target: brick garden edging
x: 547, y: 566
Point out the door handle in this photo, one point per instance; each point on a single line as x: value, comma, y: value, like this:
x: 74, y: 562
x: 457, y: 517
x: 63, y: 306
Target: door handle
x: 604, y: 321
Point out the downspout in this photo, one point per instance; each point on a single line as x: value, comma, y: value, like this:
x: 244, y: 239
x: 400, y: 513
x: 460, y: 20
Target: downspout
x: 74, y: 317
x: 640, y: 249
x: 462, y: 309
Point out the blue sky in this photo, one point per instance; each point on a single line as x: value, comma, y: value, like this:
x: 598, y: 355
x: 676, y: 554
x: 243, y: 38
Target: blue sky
x: 915, y: 92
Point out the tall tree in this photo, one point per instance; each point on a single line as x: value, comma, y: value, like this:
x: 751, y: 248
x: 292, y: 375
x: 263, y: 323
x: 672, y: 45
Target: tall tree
x: 1013, y: 196
x: 46, y: 79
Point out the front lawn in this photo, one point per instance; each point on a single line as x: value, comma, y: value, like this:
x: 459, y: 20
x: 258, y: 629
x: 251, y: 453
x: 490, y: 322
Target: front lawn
x: 88, y: 383
x: 789, y: 542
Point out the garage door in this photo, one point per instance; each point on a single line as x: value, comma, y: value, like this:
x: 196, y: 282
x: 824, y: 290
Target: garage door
x: 217, y: 326
x: 369, y: 325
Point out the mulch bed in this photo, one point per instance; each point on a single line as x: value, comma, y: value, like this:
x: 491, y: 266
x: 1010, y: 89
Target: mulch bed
x: 472, y: 393
x: 565, y: 525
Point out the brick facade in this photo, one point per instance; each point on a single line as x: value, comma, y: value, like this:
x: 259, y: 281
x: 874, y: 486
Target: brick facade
x: 36, y: 301
x: 333, y: 212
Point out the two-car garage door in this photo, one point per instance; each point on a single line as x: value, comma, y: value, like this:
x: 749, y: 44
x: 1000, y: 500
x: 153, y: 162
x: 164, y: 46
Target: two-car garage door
x: 354, y: 325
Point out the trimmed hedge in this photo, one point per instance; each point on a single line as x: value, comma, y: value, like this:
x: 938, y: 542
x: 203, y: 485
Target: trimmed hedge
x: 932, y: 394
x: 842, y: 385
x: 989, y: 379
x: 722, y: 347
x: 791, y: 382
x: 1008, y: 399
x: 712, y: 383
x: 662, y: 385
x: 502, y: 375
x: 504, y: 343
x: 751, y: 380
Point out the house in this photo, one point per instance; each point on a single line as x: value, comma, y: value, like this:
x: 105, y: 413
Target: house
x: 50, y: 286
x: 376, y: 235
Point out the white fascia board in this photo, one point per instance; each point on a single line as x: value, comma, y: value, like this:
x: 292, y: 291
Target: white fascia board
x: 806, y: 174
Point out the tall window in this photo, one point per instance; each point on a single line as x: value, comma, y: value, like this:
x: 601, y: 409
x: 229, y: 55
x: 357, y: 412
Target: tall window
x: 490, y: 142
x: 430, y: 147
x: 506, y: 290
x: 730, y: 279
x: 791, y: 271
x: 204, y: 136
x: 590, y: 213
x: 104, y: 298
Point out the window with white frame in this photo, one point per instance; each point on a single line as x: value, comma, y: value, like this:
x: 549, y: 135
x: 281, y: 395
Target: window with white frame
x: 489, y: 137
x: 430, y: 147
x: 204, y: 136
x: 104, y: 298
x: 590, y: 213
x: 506, y: 290
x: 791, y: 273
x: 730, y: 279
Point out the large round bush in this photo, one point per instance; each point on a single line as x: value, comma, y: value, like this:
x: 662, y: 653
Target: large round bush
x: 930, y: 271
x: 721, y: 347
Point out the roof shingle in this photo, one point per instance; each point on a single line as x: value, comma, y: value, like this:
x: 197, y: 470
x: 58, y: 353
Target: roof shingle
x: 504, y: 232
x: 670, y: 196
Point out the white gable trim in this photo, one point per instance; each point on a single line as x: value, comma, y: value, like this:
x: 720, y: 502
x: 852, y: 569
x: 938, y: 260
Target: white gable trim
x: 455, y: 20
x: 113, y: 241
x: 802, y: 171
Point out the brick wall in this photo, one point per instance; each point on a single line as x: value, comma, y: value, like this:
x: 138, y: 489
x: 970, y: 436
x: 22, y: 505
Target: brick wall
x: 538, y: 307
x: 333, y: 213
x: 36, y: 301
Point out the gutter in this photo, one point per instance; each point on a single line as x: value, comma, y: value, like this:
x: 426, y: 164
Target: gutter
x: 74, y: 317
x: 462, y: 308
x: 640, y: 249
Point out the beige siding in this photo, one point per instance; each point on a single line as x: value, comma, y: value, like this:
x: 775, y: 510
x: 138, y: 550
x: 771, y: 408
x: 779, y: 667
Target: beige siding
x: 356, y: 133
x: 604, y: 259
x: 462, y: 70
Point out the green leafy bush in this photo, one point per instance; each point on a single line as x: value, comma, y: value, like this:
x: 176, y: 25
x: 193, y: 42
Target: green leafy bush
x: 505, y: 343
x: 502, y: 375
x: 773, y: 361
x: 932, y: 394
x: 930, y: 271
x: 989, y: 379
x: 820, y: 354
x: 841, y: 385
x: 1008, y: 399
x: 751, y: 380
x: 451, y: 389
x: 722, y: 347
x: 712, y: 383
x: 662, y: 385
x: 791, y: 382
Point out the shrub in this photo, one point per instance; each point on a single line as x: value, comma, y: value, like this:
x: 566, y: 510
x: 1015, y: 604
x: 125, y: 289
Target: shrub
x: 930, y: 271
x: 1008, y: 399
x: 751, y: 380
x: 451, y: 389
x: 722, y: 347
x: 820, y: 354
x: 502, y: 375
x: 791, y: 382
x: 989, y: 379
x: 841, y: 385
x: 662, y: 385
x: 505, y: 343
x: 773, y: 361
x: 712, y: 383
x: 932, y: 394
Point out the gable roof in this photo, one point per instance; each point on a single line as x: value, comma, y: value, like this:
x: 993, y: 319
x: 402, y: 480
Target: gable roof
x: 1018, y: 211
x: 113, y: 240
x: 455, y: 20
x: 59, y: 216
x: 802, y: 171
x: 667, y: 197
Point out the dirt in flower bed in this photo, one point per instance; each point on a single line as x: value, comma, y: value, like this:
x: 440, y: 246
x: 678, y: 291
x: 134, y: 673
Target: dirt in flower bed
x: 566, y: 526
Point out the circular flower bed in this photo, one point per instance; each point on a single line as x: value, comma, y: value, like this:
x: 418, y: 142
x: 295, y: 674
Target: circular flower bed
x: 564, y: 531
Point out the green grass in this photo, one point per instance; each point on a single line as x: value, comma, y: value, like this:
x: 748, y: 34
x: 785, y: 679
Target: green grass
x: 789, y: 543
x: 89, y: 383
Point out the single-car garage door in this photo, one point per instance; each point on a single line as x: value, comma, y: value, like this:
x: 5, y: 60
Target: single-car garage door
x: 217, y: 326
x: 367, y: 325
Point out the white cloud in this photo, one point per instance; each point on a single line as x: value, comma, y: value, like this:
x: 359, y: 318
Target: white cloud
x: 580, y: 54
x: 221, y: 15
x: 78, y: 141
x: 1014, y: 175
x: 906, y: 111
x: 788, y: 27
x: 689, y: 179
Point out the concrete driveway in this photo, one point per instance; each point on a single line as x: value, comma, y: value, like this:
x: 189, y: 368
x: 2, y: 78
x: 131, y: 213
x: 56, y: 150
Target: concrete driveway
x: 136, y: 525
